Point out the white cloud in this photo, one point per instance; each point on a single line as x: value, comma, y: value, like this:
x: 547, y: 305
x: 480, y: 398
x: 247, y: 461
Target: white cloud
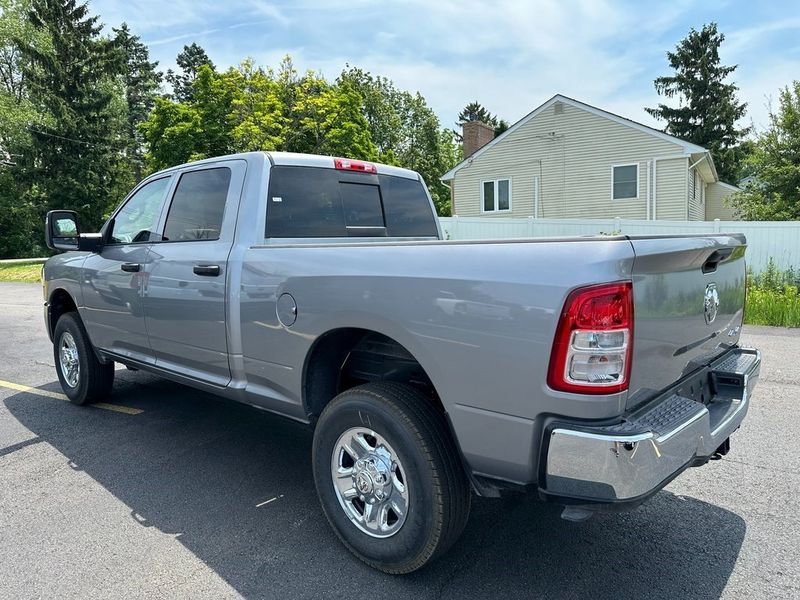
x: 510, y: 55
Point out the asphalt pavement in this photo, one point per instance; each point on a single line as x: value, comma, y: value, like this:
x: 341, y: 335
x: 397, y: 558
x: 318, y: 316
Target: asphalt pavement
x: 167, y: 492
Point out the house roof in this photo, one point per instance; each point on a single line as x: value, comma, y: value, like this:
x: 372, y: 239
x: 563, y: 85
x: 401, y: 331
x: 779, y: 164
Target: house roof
x: 688, y: 147
x: 728, y: 186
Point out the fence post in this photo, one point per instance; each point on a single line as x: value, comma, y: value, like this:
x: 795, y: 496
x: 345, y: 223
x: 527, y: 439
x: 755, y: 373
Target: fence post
x: 531, y: 228
x: 617, y: 225
x: 454, y: 227
x: 716, y: 225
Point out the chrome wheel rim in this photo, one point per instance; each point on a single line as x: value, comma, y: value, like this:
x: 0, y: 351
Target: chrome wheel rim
x: 370, y: 482
x: 68, y: 360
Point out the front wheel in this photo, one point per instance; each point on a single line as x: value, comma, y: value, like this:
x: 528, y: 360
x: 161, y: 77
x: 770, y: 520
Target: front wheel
x: 388, y: 476
x: 83, y: 377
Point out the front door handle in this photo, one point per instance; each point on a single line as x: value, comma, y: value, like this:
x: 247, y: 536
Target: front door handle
x: 131, y: 267
x: 206, y: 270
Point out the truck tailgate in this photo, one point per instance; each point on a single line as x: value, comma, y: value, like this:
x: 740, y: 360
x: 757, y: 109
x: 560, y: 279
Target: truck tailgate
x: 688, y: 306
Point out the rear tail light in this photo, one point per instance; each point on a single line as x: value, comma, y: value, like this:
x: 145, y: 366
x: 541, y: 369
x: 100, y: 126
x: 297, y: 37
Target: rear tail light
x: 593, y: 343
x: 345, y: 164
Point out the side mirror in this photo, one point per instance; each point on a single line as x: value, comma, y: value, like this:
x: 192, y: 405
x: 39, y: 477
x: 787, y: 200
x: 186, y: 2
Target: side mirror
x: 61, y: 230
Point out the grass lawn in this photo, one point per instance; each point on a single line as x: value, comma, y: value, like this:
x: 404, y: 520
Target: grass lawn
x: 26, y: 273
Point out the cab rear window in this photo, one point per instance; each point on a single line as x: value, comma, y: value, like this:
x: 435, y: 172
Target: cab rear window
x: 312, y: 202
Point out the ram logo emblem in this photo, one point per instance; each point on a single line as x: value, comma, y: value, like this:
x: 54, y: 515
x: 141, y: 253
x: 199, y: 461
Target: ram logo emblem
x: 711, y: 303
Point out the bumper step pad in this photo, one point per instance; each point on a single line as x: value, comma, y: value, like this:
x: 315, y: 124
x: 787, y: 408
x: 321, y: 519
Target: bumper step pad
x: 659, y: 419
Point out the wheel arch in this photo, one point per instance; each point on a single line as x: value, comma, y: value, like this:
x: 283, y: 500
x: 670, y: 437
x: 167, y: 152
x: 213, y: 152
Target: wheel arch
x: 344, y: 357
x: 59, y: 302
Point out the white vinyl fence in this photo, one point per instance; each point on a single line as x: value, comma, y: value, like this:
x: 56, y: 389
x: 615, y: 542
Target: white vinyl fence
x: 777, y: 239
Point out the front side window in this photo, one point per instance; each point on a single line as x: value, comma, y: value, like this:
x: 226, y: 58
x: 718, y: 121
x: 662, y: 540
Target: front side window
x: 198, y: 206
x: 137, y: 220
x: 625, y: 182
x: 496, y: 195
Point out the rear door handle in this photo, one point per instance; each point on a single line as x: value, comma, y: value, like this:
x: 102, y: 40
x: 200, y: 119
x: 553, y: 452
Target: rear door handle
x: 206, y: 270
x: 131, y: 267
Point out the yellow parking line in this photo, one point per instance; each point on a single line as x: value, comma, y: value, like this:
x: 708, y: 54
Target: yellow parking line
x: 32, y: 390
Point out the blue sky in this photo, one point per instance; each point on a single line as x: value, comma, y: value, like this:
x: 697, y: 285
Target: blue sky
x: 508, y: 55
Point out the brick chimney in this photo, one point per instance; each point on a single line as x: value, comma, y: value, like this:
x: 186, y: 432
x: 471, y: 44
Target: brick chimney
x: 475, y: 135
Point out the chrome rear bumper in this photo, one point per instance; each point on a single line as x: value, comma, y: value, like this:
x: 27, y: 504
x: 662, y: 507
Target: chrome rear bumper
x: 630, y: 460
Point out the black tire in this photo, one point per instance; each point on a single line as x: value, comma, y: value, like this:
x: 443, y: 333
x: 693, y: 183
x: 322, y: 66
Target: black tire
x: 439, y: 492
x: 95, y: 379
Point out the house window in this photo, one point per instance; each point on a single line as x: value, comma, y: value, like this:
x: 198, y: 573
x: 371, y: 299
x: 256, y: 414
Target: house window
x: 496, y: 195
x: 625, y: 181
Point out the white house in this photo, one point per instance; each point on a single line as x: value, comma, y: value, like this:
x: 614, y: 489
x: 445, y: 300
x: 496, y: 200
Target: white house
x: 567, y: 159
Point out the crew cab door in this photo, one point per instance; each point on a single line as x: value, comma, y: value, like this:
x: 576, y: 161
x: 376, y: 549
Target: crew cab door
x: 113, y: 278
x: 184, y: 298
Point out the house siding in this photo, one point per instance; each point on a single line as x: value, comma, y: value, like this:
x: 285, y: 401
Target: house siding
x: 715, y: 205
x: 671, y: 187
x: 572, y: 154
x: 695, y: 199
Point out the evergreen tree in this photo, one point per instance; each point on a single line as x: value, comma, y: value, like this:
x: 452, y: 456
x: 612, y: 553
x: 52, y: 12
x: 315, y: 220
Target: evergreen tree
x: 141, y: 81
x: 708, y: 106
x: 189, y: 60
x: 475, y: 111
x: 75, y: 154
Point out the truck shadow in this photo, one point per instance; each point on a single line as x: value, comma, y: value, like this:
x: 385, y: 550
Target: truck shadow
x: 236, y: 484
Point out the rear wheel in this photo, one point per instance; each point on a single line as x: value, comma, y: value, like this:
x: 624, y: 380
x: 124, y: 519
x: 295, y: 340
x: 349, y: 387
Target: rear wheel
x: 83, y: 377
x: 388, y: 476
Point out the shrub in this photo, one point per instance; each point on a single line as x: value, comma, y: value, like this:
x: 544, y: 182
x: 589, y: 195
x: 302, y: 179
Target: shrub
x: 772, y: 297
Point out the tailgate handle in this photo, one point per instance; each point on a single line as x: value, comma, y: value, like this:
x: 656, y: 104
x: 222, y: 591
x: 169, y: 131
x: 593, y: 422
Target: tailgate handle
x: 716, y: 257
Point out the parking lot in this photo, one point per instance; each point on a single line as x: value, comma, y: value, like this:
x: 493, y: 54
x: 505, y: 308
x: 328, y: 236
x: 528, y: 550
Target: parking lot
x: 167, y: 492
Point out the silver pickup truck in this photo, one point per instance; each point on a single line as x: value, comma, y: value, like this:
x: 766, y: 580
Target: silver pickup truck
x: 589, y: 371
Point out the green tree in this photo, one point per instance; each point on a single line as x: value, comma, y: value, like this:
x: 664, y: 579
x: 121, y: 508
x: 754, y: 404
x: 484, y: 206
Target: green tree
x: 426, y: 148
x: 250, y: 108
x: 257, y: 116
x: 475, y: 111
x: 16, y: 111
x: 406, y: 131
x: 172, y: 133
x: 708, y: 109
x: 75, y: 154
x: 773, y: 193
x: 177, y: 132
x: 381, y: 103
x: 141, y: 81
x: 327, y: 119
x: 190, y: 60
x: 19, y: 216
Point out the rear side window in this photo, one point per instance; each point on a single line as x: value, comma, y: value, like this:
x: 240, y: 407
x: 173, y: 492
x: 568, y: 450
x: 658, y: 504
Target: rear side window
x: 304, y: 202
x: 310, y: 202
x: 198, y: 206
x: 407, y: 208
